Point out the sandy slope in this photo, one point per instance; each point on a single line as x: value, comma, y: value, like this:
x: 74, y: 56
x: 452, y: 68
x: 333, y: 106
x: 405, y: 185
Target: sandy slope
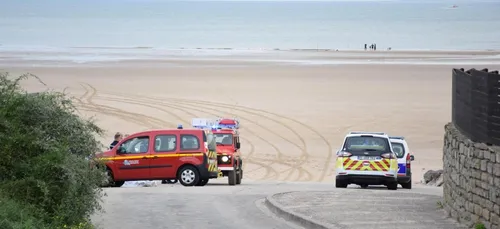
x: 293, y: 117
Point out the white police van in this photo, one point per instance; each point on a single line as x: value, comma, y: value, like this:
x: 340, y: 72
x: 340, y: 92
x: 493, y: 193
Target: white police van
x: 402, y: 151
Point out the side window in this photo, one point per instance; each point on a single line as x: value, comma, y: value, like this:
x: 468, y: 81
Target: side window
x: 165, y: 143
x: 136, y: 145
x: 398, y: 149
x: 189, y: 142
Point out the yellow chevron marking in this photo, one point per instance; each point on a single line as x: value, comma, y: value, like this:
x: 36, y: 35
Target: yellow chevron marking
x: 356, y: 165
x: 394, y: 164
x: 384, y: 165
x: 339, y: 163
x: 376, y: 166
x: 349, y: 163
x: 366, y: 168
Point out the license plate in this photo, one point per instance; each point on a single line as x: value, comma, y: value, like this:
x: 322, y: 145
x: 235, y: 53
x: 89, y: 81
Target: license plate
x: 368, y: 158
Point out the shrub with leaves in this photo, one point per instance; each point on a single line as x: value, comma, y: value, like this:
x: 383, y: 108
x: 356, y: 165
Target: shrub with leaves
x: 44, y: 171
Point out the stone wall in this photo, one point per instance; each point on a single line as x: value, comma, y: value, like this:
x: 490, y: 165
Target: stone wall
x: 471, y: 180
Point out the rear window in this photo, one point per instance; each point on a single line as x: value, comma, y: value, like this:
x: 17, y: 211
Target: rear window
x: 399, y: 149
x: 362, y: 143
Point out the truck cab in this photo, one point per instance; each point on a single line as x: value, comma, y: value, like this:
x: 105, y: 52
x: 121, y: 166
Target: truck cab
x: 229, y: 158
x: 188, y: 155
x: 227, y: 139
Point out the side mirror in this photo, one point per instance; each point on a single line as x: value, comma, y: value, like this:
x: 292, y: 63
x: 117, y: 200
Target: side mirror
x: 121, y: 150
x: 412, y: 157
x: 238, y: 145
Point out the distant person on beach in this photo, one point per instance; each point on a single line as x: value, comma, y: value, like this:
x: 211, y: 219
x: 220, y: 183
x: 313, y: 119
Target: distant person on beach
x: 118, y: 138
x: 365, y: 46
x: 374, y: 46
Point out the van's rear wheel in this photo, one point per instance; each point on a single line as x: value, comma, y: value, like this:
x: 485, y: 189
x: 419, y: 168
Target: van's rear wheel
x: 188, y: 176
x: 406, y: 185
x: 202, y: 182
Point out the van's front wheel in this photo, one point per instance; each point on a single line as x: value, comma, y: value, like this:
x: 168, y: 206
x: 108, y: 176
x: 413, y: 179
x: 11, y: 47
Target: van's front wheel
x: 188, y: 176
x: 111, y: 180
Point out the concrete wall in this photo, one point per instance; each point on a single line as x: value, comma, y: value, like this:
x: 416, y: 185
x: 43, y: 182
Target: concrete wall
x: 471, y: 180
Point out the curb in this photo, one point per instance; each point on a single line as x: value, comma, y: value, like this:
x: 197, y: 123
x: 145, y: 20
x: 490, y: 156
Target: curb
x: 298, y: 218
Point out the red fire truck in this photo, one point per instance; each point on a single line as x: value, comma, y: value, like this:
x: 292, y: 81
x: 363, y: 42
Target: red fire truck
x: 188, y: 155
x: 227, y: 139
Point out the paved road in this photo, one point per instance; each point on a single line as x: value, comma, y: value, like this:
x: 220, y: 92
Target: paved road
x: 216, y: 205
x: 368, y: 208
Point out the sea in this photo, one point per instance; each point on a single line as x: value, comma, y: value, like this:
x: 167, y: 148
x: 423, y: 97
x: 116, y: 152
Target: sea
x: 55, y: 25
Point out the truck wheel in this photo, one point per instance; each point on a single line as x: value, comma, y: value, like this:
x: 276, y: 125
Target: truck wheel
x: 231, y: 177
x: 188, y: 176
x: 238, y: 176
x: 364, y: 186
x: 202, y: 182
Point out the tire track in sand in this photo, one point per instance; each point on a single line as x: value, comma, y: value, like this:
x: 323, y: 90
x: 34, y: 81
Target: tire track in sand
x: 138, y: 118
x: 150, y: 105
x: 191, y: 107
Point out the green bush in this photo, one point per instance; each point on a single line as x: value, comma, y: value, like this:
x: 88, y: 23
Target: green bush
x: 44, y: 171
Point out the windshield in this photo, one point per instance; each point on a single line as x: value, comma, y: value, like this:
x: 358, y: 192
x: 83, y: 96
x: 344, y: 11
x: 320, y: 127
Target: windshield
x: 224, y: 139
x: 398, y: 148
x: 362, y: 144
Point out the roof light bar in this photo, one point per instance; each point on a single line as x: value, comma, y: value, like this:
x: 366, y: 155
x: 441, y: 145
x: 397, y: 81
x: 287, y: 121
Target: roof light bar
x: 363, y: 132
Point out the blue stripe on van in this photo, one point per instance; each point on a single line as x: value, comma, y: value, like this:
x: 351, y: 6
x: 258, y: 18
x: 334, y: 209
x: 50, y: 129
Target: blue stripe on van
x: 402, y: 168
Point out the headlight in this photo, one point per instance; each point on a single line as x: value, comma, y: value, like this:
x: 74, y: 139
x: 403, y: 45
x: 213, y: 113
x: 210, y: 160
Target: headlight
x: 225, y: 158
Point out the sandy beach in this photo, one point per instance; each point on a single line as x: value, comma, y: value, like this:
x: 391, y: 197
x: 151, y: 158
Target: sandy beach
x: 293, y: 116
